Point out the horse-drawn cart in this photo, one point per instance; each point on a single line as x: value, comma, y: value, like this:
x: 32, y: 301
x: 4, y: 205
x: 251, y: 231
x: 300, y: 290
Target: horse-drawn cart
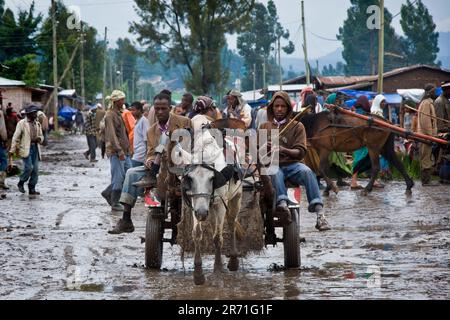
x: 172, y: 223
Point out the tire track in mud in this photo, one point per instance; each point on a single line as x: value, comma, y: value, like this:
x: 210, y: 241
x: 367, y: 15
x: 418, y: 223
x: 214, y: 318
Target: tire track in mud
x: 60, y: 217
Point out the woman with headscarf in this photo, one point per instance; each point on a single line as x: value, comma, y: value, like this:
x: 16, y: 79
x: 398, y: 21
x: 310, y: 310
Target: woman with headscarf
x: 378, y: 105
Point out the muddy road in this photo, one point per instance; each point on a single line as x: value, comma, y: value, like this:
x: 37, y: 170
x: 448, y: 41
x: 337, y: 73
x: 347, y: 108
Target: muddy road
x: 384, y: 246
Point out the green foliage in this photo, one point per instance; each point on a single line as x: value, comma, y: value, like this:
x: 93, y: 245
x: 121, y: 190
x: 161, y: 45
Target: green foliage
x: 258, y: 44
x: 24, y: 68
x: 329, y: 70
x: 412, y: 168
x: 18, y: 36
x: 361, y: 44
x: 193, y: 34
x: 125, y: 58
x: 421, y: 43
x: 68, y: 40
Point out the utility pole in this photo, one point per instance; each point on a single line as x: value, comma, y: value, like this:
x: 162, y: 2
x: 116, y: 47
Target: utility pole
x: 83, y: 92
x: 279, y: 63
x: 55, y: 69
x: 132, y: 86
x: 305, y: 48
x: 254, y: 81
x: 104, y: 68
x: 264, y: 73
x: 111, y: 84
x: 121, y: 75
x: 381, y: 49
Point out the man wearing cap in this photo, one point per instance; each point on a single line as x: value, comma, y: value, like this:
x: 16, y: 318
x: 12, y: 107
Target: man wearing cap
x: 427, y: 125
x: 442, y: 108
x: 237, y: 108
x: 117, y: 149
x: 25, y: 143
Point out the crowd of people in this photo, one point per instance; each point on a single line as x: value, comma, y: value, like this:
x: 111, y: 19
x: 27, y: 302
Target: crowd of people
x: 133, y: 138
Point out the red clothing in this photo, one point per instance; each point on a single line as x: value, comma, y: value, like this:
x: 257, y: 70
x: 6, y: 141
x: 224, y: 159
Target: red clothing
x: 130, y: 122
x: 11, y: 121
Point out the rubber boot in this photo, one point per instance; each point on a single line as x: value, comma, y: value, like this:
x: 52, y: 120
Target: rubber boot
x: 2, y: 181
x: 115, y: 197
x: 106, y: 194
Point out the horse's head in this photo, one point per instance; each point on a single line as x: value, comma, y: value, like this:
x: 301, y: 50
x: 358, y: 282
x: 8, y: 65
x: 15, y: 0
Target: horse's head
x: 198, y: 189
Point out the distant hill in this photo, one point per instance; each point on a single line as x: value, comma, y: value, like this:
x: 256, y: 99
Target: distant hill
x: 444, y: 46
x: 298, y: 65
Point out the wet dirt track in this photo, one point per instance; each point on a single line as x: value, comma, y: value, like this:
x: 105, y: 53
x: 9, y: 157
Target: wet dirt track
x: 384, y: 246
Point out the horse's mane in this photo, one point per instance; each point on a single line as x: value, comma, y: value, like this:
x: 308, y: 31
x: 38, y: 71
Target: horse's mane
x: 310, y: 120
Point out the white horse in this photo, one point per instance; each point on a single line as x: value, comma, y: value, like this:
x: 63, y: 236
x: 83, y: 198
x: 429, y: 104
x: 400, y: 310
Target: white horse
x: 207, y: 193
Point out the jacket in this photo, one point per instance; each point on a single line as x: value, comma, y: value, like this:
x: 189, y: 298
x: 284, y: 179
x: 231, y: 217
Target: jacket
x: 442, y: 108
x: 116, y: 135
x: 427, y: 125
x: 295, y: 135
x: 21, y: 140
x: 154, y: 135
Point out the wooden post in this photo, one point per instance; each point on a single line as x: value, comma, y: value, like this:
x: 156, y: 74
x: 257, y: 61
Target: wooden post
x: 83, y: 92
x: 305, y: 48
x: 381, y: 49
x: 104, y: 68
x: 55, y: 68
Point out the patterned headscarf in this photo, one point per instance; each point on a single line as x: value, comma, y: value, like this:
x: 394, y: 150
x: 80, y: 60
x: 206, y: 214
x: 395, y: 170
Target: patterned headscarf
x: 202, y: 104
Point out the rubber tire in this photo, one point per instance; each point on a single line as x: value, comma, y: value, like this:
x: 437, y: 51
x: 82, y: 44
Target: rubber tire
x: 153, y: 242
x: 291, y: 242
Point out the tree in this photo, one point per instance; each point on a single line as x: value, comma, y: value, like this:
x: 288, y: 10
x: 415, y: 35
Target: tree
x: 18, y: 38
x: 68, y: 41
x: 193, y: 34
x: 421, y: 42
x: 259, y: 42
x: 126, y: 60
x: 24, y: 68
x: 361, y: 43
x: 329, y: 71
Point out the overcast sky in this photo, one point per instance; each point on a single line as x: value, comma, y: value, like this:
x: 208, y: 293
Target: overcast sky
x: 323, y: 17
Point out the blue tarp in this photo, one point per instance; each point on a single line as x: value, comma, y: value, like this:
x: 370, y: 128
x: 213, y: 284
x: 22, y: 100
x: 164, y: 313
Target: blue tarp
x: 391, y: 98
x: 67, y: 112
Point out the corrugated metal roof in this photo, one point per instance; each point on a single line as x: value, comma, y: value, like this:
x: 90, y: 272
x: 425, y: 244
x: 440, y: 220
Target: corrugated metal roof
x: 352, y: 80
x: 10, y: 83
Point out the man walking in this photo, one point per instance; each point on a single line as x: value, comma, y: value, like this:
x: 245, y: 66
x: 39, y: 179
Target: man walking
x: 25, y: 143
x: 99, y: 116
x: 91, y: 135
x: 117, y: 149
x: 427, y: 125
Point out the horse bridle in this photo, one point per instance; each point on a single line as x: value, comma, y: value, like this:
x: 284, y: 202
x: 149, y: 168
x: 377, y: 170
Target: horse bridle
x: 187, y: 196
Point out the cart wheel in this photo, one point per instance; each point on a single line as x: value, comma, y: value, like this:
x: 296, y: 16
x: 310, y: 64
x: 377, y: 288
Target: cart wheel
x: 153, y: 241
x: 291, y: 241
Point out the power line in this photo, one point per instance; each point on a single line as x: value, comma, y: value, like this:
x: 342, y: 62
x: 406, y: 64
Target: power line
x: 359, y: 35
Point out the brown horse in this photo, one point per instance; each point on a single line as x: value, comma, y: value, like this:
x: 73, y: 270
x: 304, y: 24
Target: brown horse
x: 332, y: 131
